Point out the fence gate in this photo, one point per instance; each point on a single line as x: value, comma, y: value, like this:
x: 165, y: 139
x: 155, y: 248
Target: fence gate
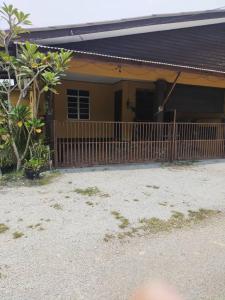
x: 86, y: 143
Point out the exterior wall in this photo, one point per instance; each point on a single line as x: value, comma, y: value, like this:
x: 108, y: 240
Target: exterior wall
x: 101, y: 100
x: 138, y: 72
x: 130, y: 77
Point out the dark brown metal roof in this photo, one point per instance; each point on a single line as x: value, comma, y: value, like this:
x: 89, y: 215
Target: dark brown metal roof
x: 73, y: 30
x: 198, y: 46
x: 201, y: 47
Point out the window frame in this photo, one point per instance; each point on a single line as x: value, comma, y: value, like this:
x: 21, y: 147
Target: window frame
x: 78, y: 104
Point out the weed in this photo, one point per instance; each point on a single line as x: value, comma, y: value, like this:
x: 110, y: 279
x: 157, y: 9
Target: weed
x: 57, y: 206
x: 31, y: 226
x: 124, y: 221
x: 17, y: 234
x: 155, y: 225
x: 40, y: 228
x: 163, y: 203
x: 180, y: 163
x: 18, y: 179
x: 47, y: 178
x: 91, y: 191
x: 108, y: 237
x: 11, y: 178
x: 153, y: 187
x: 3, y: 228
x: 90, y: 203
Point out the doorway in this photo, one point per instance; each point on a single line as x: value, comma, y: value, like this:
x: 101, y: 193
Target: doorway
x: 144, y: 105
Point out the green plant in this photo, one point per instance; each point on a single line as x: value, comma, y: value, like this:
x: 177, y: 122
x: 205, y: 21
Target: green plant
x: 17, y: 234
x: 41, y: 151
x: 90, y: 191
x: 57, y: 206
x: 33, y: 73
x: 34, y: 164
x: 3, y: 228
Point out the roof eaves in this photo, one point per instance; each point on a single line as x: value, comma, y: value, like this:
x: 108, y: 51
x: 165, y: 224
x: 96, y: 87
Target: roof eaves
x: 134, y: 60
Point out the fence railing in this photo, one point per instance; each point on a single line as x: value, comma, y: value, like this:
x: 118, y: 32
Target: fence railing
x: 85, y: 143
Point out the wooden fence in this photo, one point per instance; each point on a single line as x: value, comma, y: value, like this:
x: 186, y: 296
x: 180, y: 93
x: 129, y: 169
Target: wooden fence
x: 86, y: 143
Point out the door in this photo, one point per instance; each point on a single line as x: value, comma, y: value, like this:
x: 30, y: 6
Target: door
x: 118, y: 113
x: 144, y: 105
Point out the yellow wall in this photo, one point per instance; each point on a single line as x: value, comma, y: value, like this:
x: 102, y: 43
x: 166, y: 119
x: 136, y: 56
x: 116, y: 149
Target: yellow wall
x: 142, y: 72
x: 130, y: 77
x: 101, y: 100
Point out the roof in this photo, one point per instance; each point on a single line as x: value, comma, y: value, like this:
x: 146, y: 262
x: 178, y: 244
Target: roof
x: 188, y: 40
x: 80, y: 32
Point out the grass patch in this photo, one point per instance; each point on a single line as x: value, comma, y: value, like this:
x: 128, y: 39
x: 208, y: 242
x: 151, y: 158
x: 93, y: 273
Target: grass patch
x: 90, y: 203
x: 163, y: 203
x: 155, y: 225
x: 18, y: 179
x: 180, y: 163
x: 124, y: 222
x: 17, y: 234
x: 153, y: 187
x: 108, y: 237
x: 3, y: 228
x: 136, y: 200
x: 91, y: 191
x: 12, y: 178
x: 46, y: 178
x: 57, y: 206
x: 37, y: 226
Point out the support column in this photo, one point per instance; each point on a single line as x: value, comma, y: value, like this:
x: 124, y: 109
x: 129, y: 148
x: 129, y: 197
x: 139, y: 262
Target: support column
x: 161, y: 87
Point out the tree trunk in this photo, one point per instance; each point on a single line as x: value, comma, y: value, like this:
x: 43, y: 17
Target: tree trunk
x: 18, y: 165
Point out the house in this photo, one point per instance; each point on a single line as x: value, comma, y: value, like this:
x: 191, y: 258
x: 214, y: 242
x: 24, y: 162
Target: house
x: 141, y: 89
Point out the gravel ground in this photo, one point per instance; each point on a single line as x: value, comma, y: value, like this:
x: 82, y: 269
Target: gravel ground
x: 62, y: 254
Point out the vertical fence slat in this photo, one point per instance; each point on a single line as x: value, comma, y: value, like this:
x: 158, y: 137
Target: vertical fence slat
x: 82, y: 143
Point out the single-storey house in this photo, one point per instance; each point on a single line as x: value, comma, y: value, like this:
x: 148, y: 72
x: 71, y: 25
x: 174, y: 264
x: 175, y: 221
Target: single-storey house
x: 141, y: 89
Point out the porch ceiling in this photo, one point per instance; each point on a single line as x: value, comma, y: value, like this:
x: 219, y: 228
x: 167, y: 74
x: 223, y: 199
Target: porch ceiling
x: 91, y: 78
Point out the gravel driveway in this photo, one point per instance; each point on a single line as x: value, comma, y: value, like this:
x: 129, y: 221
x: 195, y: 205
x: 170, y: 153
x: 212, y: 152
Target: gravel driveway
x: 69, y: 239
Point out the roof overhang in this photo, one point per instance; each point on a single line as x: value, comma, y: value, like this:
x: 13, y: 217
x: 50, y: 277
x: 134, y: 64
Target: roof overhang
x: 128, y: 31
x: 135, y: 60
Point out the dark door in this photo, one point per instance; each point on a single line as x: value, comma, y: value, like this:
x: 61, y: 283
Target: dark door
x: 144, y: 105
x: 117, y: 113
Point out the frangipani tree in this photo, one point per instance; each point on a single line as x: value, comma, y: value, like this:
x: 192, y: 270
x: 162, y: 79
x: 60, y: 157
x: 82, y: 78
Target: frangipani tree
x: 28, y: 73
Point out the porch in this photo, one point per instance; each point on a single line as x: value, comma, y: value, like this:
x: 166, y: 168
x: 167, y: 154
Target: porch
x: 107, y: 120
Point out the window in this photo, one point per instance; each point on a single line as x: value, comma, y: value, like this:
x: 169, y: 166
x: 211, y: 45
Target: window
x: 78, y: 104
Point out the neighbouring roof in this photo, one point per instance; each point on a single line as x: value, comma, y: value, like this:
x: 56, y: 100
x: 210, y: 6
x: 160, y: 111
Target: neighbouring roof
x: 193, y: 40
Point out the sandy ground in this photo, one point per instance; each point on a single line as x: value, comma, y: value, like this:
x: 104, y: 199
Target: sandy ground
x: 63, y: 255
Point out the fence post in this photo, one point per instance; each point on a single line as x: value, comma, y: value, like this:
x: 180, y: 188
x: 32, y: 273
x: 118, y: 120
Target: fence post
x: 173, y: 147
x: 55, y: 144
